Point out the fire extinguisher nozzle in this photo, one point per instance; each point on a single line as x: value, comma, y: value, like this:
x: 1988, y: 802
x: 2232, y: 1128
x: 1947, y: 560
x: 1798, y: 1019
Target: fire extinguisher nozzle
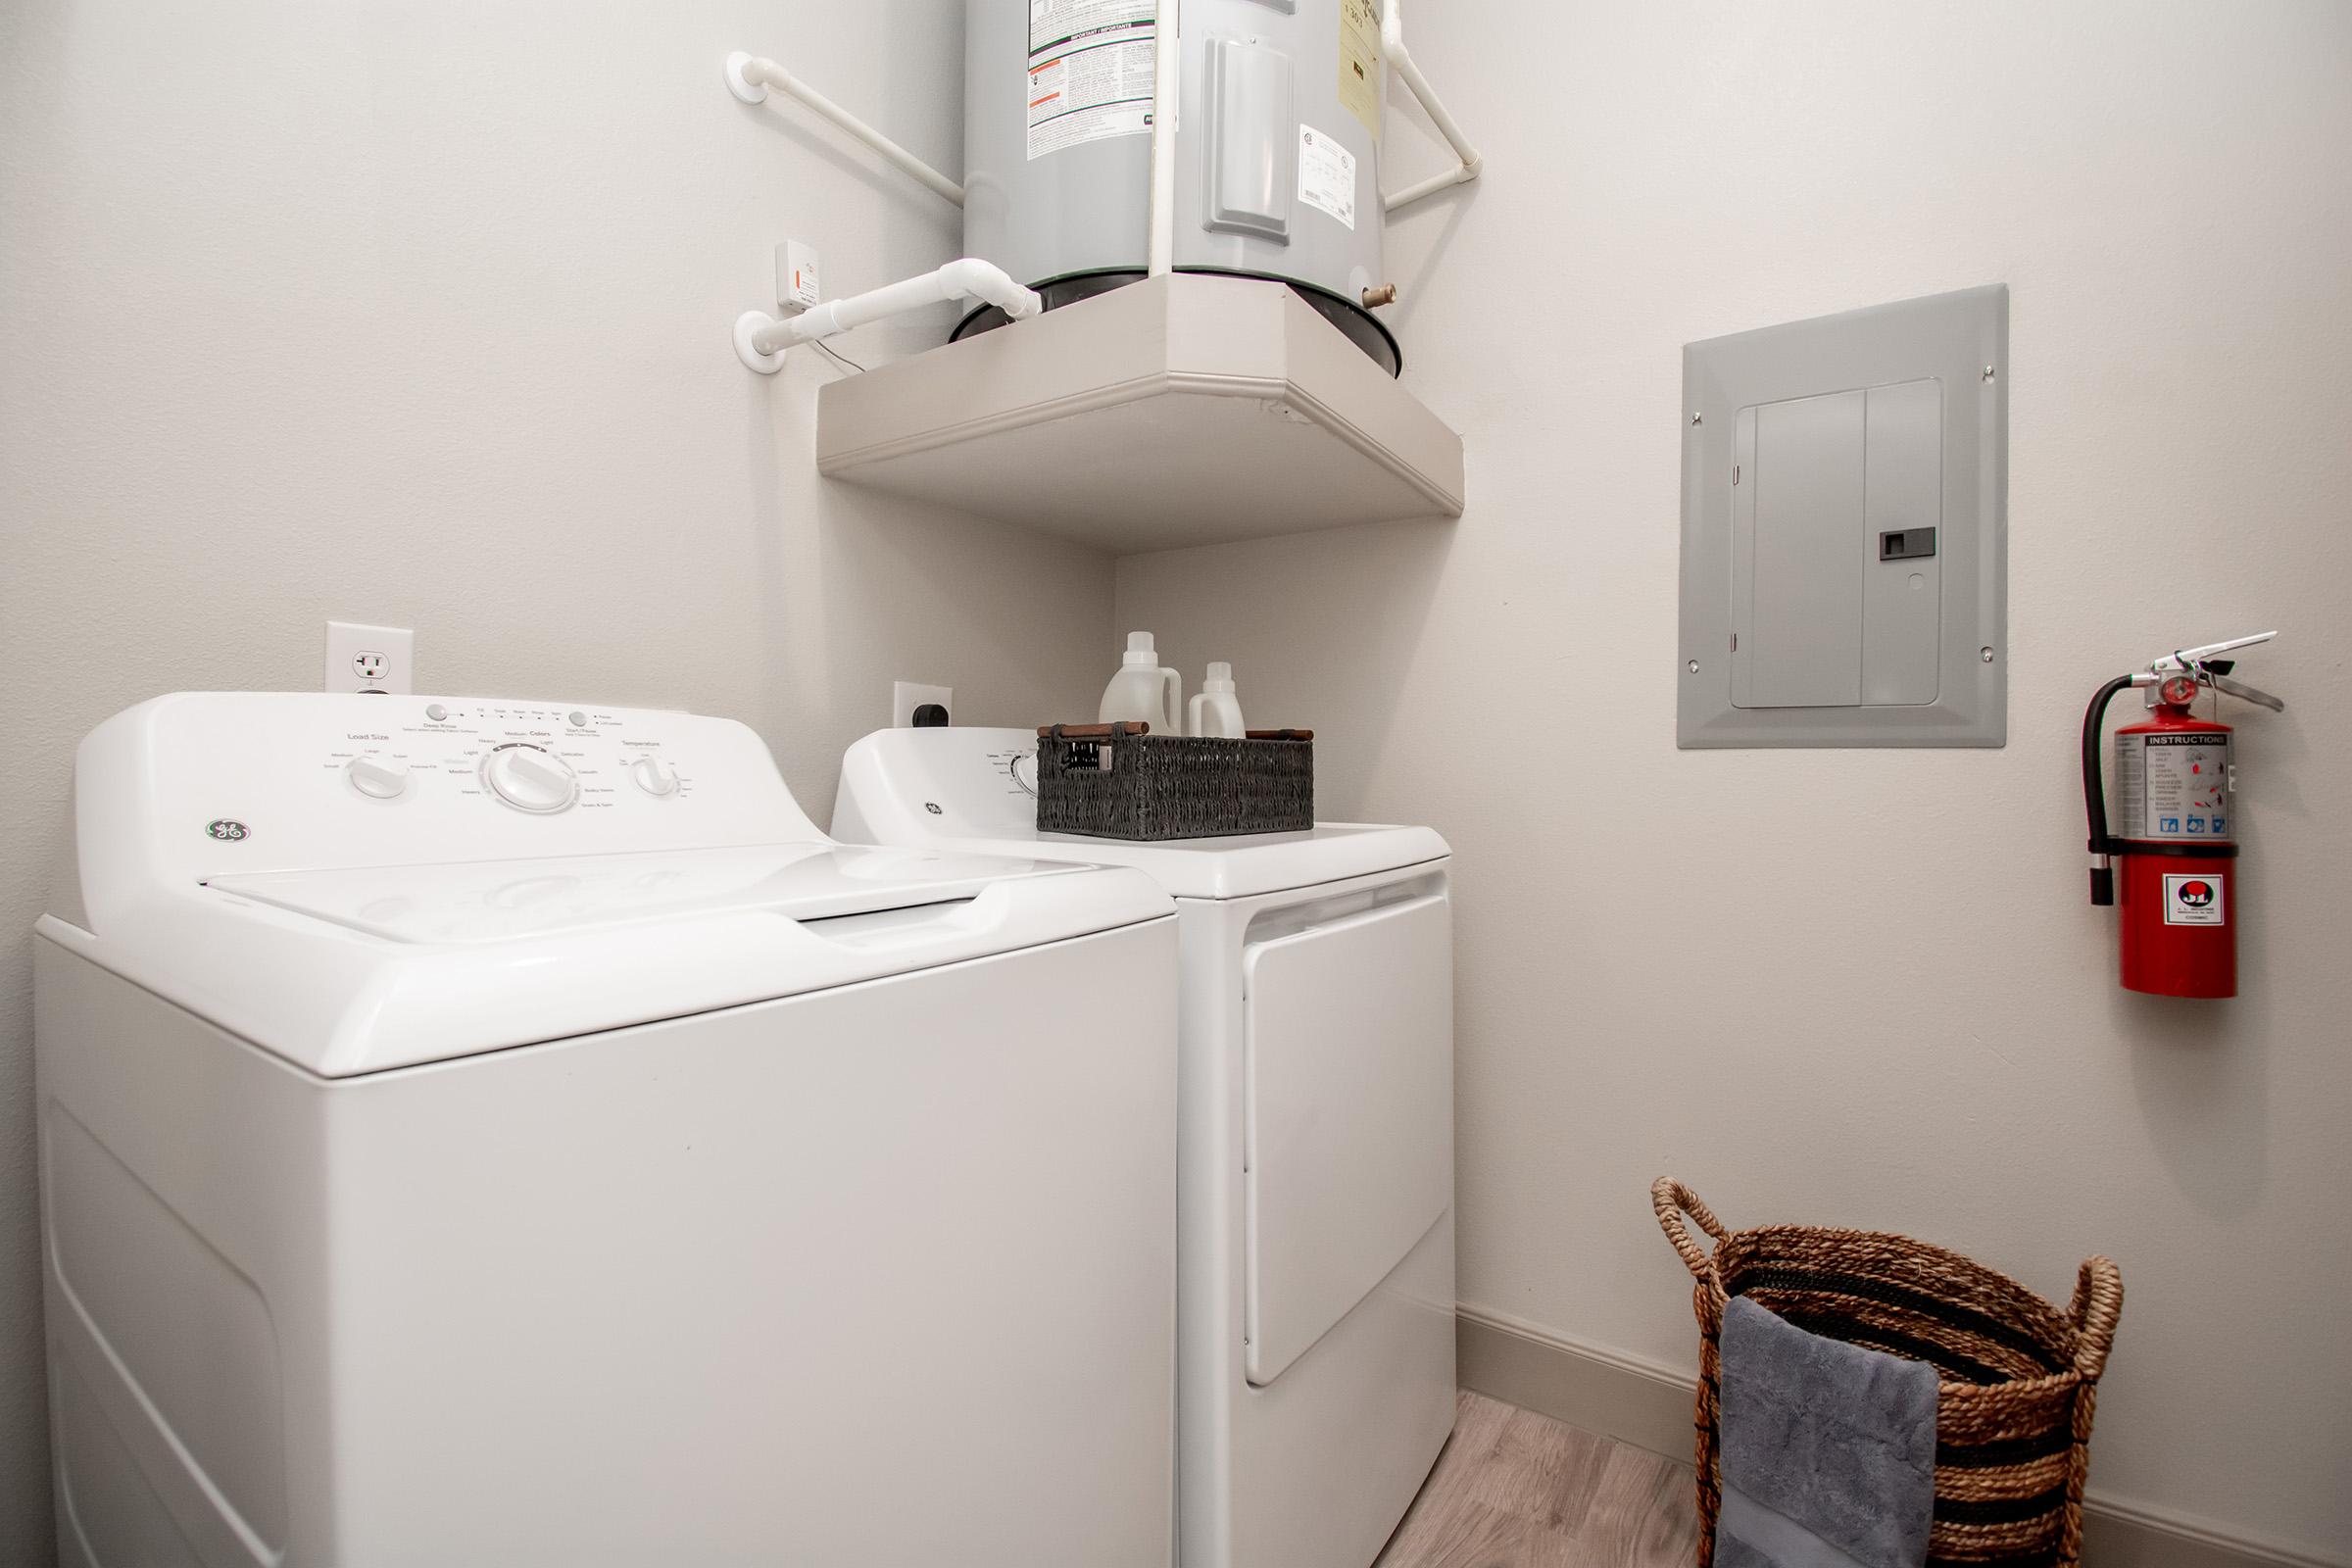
x: 2102, y: 885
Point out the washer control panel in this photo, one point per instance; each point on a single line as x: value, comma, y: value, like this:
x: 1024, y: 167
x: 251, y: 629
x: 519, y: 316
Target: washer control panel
x: 539, y: 760
x: 205, y: 783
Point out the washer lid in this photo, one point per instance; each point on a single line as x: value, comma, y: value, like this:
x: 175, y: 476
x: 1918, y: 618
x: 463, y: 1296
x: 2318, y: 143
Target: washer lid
x: 360, y: 969
x: 501, y: 901
x: 975, y: 790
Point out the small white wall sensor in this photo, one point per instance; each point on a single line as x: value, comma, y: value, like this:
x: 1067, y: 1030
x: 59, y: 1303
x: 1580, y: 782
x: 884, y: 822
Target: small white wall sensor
x: 797, y: 287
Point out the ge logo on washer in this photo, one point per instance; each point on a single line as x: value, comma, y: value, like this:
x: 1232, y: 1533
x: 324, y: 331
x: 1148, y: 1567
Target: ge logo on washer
x: 2192, y: 901
x: 225, y: 829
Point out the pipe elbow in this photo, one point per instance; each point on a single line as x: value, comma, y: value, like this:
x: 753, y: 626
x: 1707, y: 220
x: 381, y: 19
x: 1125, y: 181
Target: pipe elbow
x: 985, y: 280
x: 959, y: 277
x: 747, y: 75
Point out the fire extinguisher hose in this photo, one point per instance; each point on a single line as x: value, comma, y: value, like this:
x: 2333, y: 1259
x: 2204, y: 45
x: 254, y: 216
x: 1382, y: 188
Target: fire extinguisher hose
x: 2094, y: 791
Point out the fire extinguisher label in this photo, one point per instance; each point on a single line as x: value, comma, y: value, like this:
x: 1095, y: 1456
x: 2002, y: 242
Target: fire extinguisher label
x: 2195, y: 900
x: 2173, y: 786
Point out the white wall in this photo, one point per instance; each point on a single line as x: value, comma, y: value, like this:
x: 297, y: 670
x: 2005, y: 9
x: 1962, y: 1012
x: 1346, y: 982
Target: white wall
x: 1859, y: 986
x: 417, y: 313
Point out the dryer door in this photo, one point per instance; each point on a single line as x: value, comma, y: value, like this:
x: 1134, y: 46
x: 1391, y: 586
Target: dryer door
x: 1349, y: 1121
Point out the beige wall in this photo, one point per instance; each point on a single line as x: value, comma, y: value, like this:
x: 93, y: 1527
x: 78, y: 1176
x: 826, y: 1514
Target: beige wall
x: 430, y: 305
x: 417, y: 314
x: 1865, y: 986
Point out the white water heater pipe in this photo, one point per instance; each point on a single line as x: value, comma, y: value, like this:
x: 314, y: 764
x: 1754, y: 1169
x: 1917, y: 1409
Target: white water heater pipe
x: 761, y: 339
x: 1166, y: 84
x: 1401, y: 60
x: 749, y: 76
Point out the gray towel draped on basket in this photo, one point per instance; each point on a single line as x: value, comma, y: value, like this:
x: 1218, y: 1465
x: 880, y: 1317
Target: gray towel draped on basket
x: 1829, y: 1449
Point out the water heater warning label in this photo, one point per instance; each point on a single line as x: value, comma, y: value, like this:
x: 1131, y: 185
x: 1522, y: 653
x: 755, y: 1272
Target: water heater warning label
x: 1091, y: 67
x: 1326, y: 174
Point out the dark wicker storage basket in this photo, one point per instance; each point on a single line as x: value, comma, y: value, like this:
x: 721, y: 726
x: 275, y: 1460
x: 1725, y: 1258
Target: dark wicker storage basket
x: 2017, y: 1377
x: 1120, y: 782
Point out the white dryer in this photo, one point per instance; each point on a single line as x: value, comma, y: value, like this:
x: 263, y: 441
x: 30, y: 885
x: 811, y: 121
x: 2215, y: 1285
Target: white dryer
x: 491, y: 1133
x: 1315, y: 1145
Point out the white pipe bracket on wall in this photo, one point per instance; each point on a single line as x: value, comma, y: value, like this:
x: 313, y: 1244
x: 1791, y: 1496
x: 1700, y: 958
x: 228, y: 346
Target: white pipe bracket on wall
x: 750, y: 76
x: 761, y: 339
x: 1400, y: 61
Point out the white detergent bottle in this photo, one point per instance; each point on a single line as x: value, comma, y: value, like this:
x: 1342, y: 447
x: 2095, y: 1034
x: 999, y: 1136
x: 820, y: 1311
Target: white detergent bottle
x: 1214, y: 709
x: 1144, y: 691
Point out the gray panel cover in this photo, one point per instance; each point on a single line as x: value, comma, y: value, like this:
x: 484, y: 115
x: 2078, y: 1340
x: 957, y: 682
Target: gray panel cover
x: 1250, y: 131
x: 1805, y: 447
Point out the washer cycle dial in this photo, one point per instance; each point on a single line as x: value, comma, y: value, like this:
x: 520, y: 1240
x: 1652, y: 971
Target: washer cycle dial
x: 654, y: 776
x: 530, y: 778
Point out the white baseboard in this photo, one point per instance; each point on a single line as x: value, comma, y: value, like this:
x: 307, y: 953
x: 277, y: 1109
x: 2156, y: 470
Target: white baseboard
x: 1637, y: 1401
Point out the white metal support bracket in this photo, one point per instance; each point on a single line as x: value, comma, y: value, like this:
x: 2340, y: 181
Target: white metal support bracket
x: 750, y: 76
x: 1401, y: 60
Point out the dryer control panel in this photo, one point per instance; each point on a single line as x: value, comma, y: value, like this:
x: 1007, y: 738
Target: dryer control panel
x: 200, y: 784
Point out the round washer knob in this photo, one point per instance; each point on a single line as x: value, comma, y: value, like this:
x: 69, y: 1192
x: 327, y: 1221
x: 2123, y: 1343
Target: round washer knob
x: 653, y: 775
x: 530, y: 779
x: 436, y: 712
x: 379, y: 778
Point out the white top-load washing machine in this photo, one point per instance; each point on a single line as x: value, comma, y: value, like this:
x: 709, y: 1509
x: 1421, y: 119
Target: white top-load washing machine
x: 493, y: 1134
x: 1315, y: 1154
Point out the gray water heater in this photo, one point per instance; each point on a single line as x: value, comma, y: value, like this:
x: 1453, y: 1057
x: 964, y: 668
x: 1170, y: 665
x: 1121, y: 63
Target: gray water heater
x: 1277, y: 154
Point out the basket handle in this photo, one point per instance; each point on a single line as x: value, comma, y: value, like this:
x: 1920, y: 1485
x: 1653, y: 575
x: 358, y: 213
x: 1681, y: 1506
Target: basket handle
x: 1092, y: 732
x: 1672, y: 1201
x: 2098, y: 1304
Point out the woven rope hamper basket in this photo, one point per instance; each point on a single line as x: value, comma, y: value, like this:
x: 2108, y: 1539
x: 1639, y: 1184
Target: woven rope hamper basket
x: 2017, y: 1377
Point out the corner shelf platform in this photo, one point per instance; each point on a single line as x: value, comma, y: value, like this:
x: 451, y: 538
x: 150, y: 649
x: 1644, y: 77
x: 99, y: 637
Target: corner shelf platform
x: 1182, y: 410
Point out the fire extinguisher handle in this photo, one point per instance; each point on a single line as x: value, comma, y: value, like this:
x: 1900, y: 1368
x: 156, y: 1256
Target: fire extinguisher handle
x: 2221, y: 681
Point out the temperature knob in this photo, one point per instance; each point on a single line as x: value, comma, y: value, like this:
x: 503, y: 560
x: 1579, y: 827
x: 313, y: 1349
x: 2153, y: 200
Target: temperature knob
x: 530, y: 778
x: 379, y: 778
x: 653, y: 775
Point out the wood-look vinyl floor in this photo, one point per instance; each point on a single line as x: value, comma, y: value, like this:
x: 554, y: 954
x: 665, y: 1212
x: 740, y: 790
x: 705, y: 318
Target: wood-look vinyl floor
x: 1517, y: 1489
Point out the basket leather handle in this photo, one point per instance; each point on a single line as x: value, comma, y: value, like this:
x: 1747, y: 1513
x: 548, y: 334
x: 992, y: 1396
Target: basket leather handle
x: 2099, y: 1305
x: 1092, y: 732
x: 1672, y: 1201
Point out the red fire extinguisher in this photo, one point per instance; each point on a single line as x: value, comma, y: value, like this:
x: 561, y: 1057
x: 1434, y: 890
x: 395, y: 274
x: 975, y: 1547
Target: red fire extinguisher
x: 2175, y: 826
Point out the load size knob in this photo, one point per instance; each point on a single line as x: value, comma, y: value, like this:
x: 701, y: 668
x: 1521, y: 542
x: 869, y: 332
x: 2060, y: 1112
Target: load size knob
x: 530, y: 778
x: 379, y: 778
x: 654, y: 776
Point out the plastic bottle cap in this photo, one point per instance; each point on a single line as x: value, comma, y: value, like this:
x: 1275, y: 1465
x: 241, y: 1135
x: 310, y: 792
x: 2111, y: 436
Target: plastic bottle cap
x: 1139, y: 650
x: 1220, y: 677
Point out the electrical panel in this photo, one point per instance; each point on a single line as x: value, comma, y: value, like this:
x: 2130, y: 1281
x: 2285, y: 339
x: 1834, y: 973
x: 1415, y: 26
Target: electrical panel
x: 1843, y: 551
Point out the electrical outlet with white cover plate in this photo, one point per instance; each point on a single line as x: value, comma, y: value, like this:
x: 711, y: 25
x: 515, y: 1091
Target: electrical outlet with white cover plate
x: 908, y: 696
x: 369, y: 658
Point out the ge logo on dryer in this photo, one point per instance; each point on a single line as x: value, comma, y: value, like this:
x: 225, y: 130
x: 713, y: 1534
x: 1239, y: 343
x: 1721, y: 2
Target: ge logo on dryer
x: 225, y: 829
